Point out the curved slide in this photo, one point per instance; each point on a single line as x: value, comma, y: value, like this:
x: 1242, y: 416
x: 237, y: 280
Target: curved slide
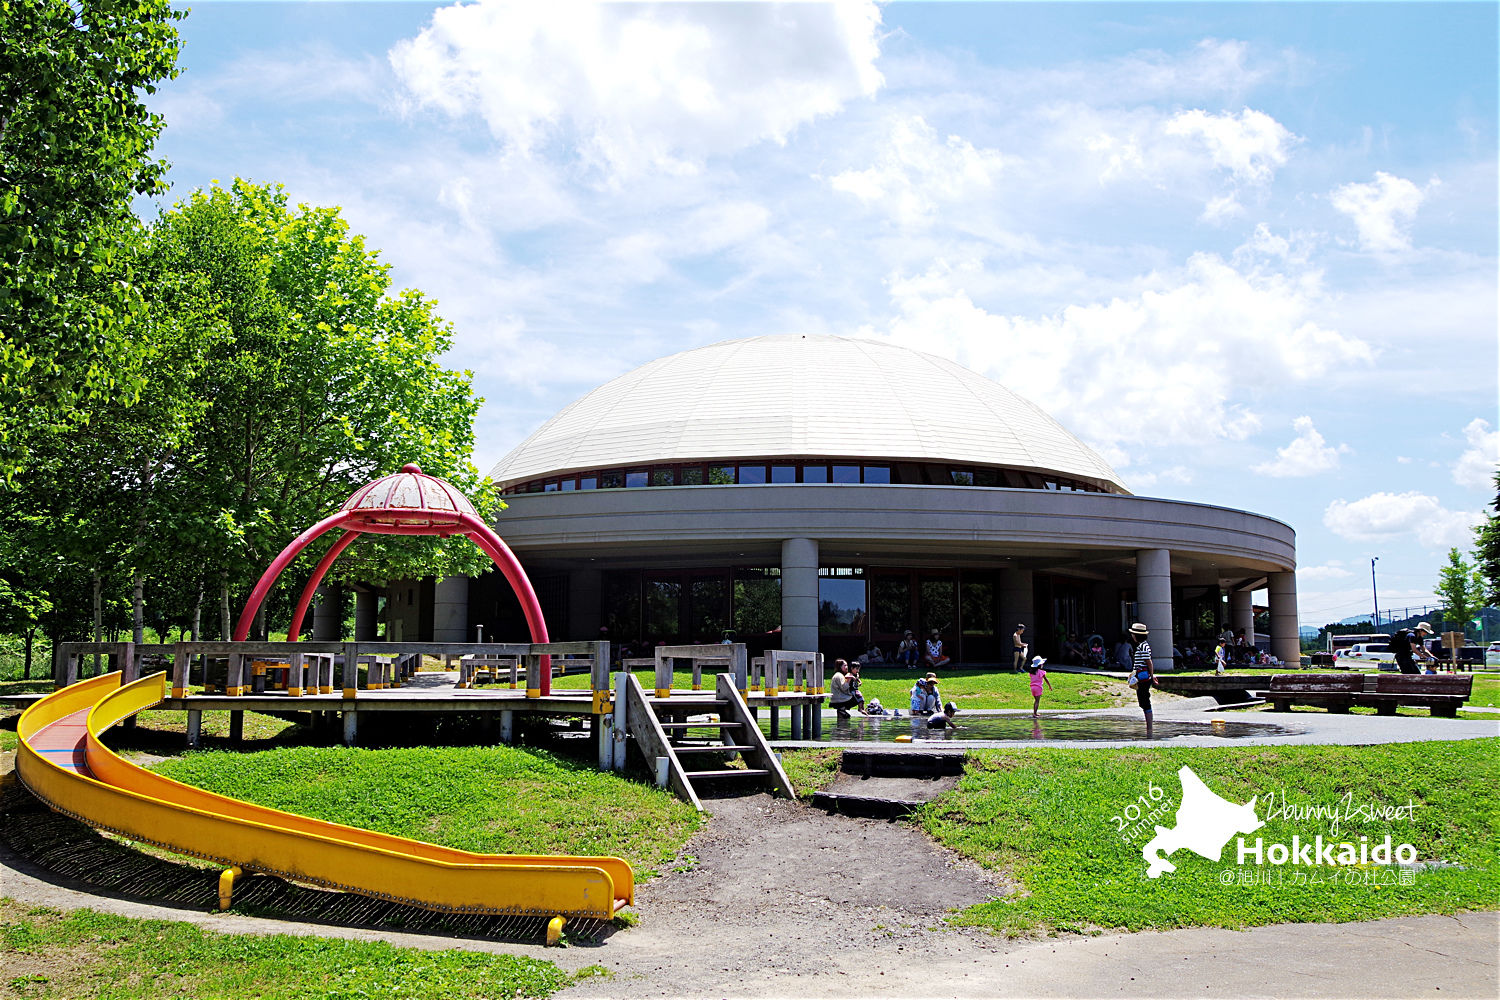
x: 63, y: 762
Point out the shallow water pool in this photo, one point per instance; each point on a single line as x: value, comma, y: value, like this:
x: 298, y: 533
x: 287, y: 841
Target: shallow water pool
x: 1083, y: 728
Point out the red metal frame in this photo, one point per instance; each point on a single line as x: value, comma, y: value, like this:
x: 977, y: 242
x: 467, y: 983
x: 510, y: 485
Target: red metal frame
x: 388, y: 521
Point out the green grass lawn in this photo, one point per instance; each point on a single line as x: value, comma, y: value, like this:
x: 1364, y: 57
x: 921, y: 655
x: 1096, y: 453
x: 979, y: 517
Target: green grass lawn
x: 988, y: 688
x: 971, y: 687
x: 1044, y: 818
x: 499, y: 799
x: 1486, y: 692
x: 86, y: 953
x: 811, y: 769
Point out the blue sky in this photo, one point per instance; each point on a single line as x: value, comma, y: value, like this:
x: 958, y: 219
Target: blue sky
x: 1247, y: 251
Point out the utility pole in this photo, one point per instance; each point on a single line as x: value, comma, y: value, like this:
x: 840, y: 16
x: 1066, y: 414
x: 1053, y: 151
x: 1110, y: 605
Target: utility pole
x: 1374, y: 595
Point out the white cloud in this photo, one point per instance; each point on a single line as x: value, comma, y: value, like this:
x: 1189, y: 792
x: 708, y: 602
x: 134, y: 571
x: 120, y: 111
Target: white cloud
x: 915, y: 172
x: 1477, y: 466
x: 1250, y: 146
x: 1167, y: 365
x: 1179, y: 474
x: 1328, y: 571
x: 1382, y: 211
x: 1307, y: 454
x: 1384, y: 515
x: 629, y: 87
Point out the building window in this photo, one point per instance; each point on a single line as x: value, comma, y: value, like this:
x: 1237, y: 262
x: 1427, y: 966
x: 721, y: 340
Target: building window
x: 783, y: 473
x: 690, y: 475
x: 721, y: 475
x: 815, y: 473
x: 846, y: 473
x: 588, y: 482
x: 752, y: 475
x: 662, y: 477
x: 568, y: 484
x: 878, y: 474
x: 635, y: 479
x: 962, y: 477
x: 841, y: 605
x: 551, y: 486
x: 612, y: 481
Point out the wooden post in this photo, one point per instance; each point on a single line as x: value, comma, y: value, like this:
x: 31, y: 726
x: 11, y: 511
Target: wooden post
x: 739, y: 665
x: 181, y: 665
x: 130, y: 671
x: 663, y: 675
x: 294, y: 678
x: 194, y: 728
x: 534, y: 675
x: 796, y: 714
x: 349, y: 678
x: 507, y: 726
x: 234, y: 682
x: 775, y: 723
x: 351, y: 726
x: 236, y: 726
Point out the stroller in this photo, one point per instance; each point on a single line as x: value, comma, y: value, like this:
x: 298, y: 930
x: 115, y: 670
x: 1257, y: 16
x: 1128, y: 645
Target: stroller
x: 1095, y: 657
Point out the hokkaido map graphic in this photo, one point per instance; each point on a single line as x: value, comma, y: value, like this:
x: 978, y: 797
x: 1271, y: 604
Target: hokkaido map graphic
x: 1205, y: 822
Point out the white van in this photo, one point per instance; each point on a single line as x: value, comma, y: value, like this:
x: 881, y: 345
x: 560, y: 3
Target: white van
x: 1375, y: 653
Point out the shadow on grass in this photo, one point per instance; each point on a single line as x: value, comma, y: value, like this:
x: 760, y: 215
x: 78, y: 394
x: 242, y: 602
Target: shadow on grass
x: 62, y: 852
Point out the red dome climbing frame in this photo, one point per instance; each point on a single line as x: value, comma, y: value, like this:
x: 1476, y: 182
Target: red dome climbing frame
x: 410, y: 502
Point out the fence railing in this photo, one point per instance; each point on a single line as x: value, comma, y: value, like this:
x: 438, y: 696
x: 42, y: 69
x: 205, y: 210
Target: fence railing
x: 320, y: 667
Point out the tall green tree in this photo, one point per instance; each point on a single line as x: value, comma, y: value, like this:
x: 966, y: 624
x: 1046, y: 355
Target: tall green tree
x: 75, y: 148
x: 1460, y: 590
x: 1487, y: 549
x: 324, y: 378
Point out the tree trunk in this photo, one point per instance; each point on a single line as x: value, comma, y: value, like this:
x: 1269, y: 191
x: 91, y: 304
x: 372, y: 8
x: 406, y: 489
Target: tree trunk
x: 224, y: 627
x: 98, y: 616
x: 138, y: 608
x: 197, y: 615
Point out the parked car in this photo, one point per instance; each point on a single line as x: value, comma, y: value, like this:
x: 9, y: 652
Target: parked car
x: 1492, y: 655
x: 1377, y: 653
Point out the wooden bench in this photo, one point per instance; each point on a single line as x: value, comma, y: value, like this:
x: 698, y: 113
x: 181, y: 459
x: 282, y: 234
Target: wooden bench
x: 1336, y: 692
x: 1441, y: 694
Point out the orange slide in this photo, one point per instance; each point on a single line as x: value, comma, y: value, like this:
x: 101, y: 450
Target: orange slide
x: 63, y: 762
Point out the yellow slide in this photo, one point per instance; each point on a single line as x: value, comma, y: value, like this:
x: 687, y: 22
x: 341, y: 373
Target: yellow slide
x: 62, y: 761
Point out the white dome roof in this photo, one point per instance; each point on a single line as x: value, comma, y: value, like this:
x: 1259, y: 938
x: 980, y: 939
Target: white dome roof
x: 802, y: 396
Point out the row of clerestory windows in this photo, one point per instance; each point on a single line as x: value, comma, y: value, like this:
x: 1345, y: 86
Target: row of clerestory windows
x: 790, y: 471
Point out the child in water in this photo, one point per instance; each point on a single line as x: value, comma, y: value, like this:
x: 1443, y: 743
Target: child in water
x: 1038, y: 678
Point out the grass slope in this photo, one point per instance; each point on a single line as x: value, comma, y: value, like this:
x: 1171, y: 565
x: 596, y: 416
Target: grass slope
x: 485, y: 799
x: 1044, y: 817
x: 86, y: 953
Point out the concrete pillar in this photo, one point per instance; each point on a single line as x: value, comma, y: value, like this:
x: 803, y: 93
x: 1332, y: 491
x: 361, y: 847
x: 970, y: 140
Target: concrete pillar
x: 1285, y: 642
x: 366, y: 626
x: 799, y: 594
x: 586, y: 604
x: 1016, y: 608
x: 450, y: 609
x: 328, y: 617
x: 1153, y: 596
x: 1242, y: 613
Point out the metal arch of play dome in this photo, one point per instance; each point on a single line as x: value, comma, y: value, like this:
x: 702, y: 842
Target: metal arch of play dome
x: 409, y: 502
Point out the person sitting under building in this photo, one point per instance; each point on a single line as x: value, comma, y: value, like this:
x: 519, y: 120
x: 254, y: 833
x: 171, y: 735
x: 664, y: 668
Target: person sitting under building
x: 909, y: 653
x: 934, y: 657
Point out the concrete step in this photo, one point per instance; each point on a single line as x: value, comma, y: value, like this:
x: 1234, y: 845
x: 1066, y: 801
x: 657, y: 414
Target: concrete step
x: 733, y: 772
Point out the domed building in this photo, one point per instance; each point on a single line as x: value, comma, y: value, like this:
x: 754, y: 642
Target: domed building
x: 828, y: 492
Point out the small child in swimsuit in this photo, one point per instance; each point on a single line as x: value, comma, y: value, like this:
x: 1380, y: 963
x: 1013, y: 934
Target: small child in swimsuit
x: 1038, y: 678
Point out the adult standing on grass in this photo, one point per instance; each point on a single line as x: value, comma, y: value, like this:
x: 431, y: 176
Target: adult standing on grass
x: 1143, y: 670
x: 1018, y: 640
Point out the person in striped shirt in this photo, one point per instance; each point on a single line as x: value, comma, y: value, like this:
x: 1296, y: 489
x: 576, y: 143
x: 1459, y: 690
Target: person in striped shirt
x: 1144, y: 670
